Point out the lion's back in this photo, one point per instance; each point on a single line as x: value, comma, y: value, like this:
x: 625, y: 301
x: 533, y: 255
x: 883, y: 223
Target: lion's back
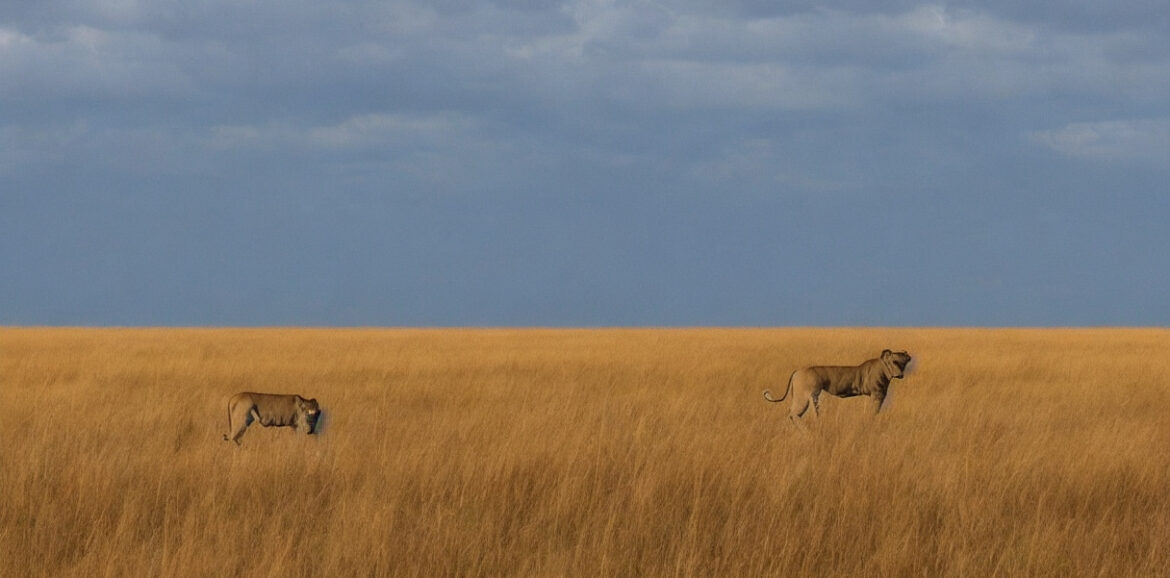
x: 242, y: 398
x: 826, y: 374
x: 270, y: 408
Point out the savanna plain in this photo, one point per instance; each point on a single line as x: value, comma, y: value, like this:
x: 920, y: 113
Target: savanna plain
x: 583, y: 453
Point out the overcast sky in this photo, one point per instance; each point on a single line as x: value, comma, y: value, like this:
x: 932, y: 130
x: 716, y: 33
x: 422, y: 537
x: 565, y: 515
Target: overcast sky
x: 438, y: 163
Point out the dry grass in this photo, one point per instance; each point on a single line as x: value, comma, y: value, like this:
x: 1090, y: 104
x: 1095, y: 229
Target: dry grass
x: 583, y: 453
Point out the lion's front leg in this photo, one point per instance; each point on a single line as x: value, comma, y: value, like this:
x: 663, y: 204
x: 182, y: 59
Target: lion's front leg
x: 879, y: 398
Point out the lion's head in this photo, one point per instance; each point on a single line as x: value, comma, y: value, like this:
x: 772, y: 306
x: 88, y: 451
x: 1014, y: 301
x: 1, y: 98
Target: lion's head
x: 308, y: 413
x: 895, y: 363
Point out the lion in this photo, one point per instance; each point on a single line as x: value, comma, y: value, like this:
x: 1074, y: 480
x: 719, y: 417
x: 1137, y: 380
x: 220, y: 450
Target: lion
x: 270, y: 410
x: 871, y: 378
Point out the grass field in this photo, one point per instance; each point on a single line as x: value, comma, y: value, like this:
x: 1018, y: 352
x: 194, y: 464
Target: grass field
x: 583, y: 453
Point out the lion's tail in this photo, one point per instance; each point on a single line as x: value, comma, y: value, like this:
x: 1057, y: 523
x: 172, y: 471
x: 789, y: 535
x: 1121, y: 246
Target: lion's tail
x: 768, y: 393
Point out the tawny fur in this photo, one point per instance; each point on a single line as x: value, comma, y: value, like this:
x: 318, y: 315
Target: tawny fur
x: 271, y: 410
x: 871, y: 378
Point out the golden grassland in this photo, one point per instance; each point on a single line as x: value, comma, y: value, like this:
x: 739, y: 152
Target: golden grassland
x: 583, y: 453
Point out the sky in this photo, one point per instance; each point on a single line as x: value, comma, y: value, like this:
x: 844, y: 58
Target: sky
x: 591, y: 163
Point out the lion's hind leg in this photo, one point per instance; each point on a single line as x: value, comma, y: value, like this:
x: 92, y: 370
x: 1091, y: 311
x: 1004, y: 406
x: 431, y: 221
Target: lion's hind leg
x: 241, y: 425
x: 238, y: 432
x: 799, y: 407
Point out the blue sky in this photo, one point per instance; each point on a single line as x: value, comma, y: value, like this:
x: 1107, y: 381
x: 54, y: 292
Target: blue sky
x: 236, y: 162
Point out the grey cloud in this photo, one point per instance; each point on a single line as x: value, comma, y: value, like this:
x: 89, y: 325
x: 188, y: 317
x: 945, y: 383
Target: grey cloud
x: 87, y: 62
x: 1144, y: 141
x: 1073, y: 15
x: 606, y: 76
x: 356, y: 132
x: 412, y: 53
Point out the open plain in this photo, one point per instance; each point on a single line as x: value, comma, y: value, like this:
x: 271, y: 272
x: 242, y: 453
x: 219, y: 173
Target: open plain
x: 646, y: 452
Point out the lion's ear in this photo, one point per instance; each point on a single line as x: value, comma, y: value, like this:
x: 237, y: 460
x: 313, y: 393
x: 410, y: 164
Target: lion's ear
x: 886, y: 352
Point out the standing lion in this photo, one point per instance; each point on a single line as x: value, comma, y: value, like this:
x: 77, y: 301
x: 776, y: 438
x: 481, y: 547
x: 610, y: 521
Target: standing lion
x: 270, y: 410
x: 871, y: 378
